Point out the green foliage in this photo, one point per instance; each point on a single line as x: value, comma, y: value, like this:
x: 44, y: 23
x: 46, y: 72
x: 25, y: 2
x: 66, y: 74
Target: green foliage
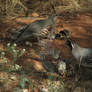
x: 51, y: 87
x: 23, y: 80
x: 15, y: 53
x: 11, y: 49
x: 31, y: 84
x: 18, y: 90
x: 22, y: 83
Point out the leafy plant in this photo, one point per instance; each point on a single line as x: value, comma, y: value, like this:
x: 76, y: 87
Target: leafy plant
x: 11, y: 49
x: 23, y: 80
x: 22, y: 83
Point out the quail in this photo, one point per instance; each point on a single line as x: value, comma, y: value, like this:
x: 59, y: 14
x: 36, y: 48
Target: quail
x: 83, y: 55
x: 55, y: 53
x: 39, y: 28
x: 47, y: 64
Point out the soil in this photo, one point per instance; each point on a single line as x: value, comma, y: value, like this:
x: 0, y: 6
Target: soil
x: 80, y: 80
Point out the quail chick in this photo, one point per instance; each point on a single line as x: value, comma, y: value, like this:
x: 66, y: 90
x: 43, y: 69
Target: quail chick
x: 81, y: 54
x: 47, y: 64
x: 55, y: 53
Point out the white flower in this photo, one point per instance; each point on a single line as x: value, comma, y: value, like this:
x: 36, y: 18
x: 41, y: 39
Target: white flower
x: 14, y: 51
x: 4, y: 60
x: 17, y: 67
x: 44, y: 90
x: 3, y: 53
x: 24, y: 50
x: 25, y: 90
x: 8, y: 44
x: 14, y: 44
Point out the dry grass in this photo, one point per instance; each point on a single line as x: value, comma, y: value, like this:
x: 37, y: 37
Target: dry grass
x: 12, y: 7
x: 16, y: 7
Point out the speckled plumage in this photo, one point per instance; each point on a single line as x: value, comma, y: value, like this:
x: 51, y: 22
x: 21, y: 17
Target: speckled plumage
x: 36, y: 29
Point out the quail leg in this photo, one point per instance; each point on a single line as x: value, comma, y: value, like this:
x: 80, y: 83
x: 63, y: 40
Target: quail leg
x: 80, y: 61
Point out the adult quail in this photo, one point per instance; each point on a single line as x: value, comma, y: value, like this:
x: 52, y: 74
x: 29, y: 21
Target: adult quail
x: 38, y: 29
x: 83, y: 55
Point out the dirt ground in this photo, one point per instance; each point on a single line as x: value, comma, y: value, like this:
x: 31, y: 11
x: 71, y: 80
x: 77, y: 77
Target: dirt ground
x: 80, y: 26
